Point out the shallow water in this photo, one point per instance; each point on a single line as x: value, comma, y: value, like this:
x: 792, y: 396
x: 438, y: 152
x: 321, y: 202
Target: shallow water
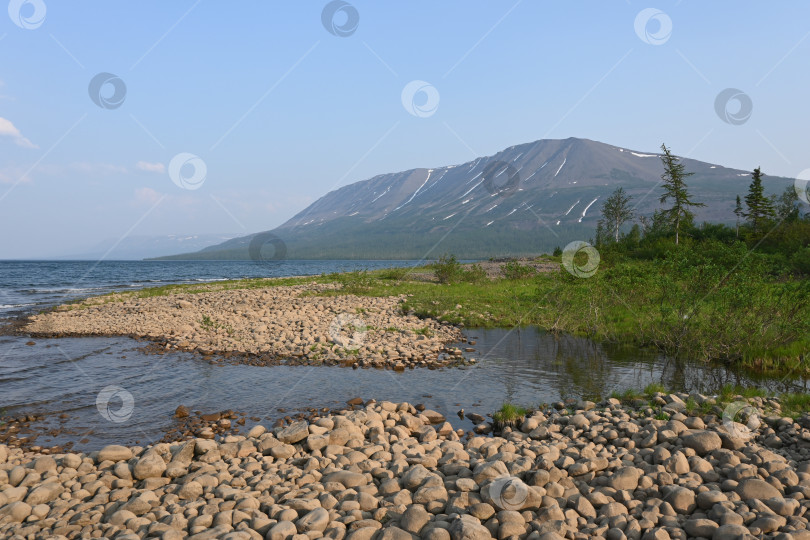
x: 524, y: 366
x: 26, y: 286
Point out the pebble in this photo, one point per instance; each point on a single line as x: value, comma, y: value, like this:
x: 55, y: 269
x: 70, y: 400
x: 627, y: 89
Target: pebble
x: 369, y: 472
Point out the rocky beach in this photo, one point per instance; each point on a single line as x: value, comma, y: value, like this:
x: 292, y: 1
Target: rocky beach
x: 292, y: 324
x: 382, y: 470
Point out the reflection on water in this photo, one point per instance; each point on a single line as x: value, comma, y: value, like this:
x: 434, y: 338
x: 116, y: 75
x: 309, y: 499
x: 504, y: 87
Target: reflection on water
x: 524, y: 366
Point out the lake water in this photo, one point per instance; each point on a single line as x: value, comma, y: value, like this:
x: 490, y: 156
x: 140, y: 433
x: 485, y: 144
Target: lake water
x: 64, y: 378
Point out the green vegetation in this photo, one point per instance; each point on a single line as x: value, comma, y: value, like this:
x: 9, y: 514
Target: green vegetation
x: 790, y: 404
x: 508, y: 415
x: 514, y: 270
x: 794, y: 404
x: 448, y: 270
x: 209, y: 324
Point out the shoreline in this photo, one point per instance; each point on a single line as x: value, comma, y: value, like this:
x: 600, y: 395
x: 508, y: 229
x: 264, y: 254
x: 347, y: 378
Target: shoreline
x: 379, y: 470
x: 279, y: 323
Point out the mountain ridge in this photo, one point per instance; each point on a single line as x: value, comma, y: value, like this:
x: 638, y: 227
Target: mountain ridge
x: 524, y: 199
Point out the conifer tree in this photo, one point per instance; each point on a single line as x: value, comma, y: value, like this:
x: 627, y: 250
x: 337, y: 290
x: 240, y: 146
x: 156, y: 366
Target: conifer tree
x: 760, y: 208
x: 675, y: 188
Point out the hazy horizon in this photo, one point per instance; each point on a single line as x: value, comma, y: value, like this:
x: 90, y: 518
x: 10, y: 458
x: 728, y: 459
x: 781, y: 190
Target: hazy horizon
x: 276, y: 105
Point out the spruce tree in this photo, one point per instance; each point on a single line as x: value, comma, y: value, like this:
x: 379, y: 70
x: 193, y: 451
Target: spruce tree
x: 616, y: 212
x: 760, y: 208
x: 675, y: 188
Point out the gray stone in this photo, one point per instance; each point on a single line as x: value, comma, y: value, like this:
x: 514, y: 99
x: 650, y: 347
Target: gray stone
x: 703, y: 442
x: 395, y: 533
x: 295, y: 432
x: 700, y: 527
x: 348, y: 478
x: 283, y: 530
x: 625, y: 478
x: 150, y: 465
x: 730, y: 532
x: 114, y: 452
x: 682, y: 500
x: 16, y: 511
x: 44, y: 493
x: 468, y: 529
x: 316, y: 520
x: 414, y: 518
x: 754, y: 488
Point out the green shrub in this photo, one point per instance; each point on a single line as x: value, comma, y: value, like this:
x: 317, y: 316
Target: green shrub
x: 393, y: 274
x: 356, y: 282
x: 447, y: 269
x: 515, y: 270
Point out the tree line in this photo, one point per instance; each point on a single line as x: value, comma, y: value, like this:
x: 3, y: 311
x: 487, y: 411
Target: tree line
x: 758, y: 216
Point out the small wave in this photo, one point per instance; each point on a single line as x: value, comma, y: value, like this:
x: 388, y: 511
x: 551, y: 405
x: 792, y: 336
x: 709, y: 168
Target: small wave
x: 71, y: 290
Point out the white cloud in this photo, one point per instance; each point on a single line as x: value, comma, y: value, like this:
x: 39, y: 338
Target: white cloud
x: 7, y: 129
x: 147, y: 196
x: 151, y: 167
x: 101, y: 169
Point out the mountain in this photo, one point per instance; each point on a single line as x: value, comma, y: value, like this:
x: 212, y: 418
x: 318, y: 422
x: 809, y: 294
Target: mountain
x: 525, y: 199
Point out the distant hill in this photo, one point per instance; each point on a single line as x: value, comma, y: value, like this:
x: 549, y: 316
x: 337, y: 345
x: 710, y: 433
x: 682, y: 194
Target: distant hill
x: 142, y: 247
x: 525, y: 199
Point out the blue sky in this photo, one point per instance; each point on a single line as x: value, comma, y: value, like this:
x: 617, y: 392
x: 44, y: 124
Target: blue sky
x: 280, y: 111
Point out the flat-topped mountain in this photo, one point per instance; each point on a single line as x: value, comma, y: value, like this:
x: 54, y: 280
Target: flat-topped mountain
x: 525, y: 199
